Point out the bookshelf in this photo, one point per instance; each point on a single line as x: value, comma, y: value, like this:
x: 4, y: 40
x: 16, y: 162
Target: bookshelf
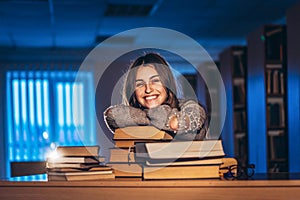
x: 233, y: 65
x: 267, y: 99
x: 293, y: 86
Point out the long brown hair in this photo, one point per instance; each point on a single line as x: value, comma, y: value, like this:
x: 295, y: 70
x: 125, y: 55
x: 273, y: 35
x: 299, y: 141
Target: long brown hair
x: 163, y: 70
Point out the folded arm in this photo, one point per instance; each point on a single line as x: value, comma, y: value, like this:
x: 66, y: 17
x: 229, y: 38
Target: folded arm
x: 189, y: 122
x: 120, y: 116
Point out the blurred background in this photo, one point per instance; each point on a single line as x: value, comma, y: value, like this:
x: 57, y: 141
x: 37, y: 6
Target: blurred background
x: 46, y: 102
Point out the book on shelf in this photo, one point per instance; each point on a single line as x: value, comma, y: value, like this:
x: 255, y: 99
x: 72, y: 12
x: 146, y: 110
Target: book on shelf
x: 268, y: 81
x: 239, y: 94
x: 126, y: 137
x: 239, y: 121
x: 182, y: 172
x: 277, y: 139
x: 275, y: 43
x: 88, y: 151
x: 274, y: 65
x: 238, y: 64
x: 275, y: 115
x: 275, y: 82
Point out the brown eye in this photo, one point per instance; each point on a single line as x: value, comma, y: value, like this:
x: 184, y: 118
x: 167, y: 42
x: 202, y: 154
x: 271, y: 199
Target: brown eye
x: 139, y: 84
x: 155, y: 80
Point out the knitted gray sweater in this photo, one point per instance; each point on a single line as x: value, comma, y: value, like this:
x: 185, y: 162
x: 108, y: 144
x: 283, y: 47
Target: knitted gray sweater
x: 191, y: 116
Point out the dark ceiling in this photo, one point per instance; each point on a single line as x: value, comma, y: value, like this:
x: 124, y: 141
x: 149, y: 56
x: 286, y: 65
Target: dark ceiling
x: 215, y: 24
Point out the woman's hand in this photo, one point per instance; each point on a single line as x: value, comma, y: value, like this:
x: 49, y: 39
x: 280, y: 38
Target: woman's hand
x: 173, y: 123
x: 163, y: 117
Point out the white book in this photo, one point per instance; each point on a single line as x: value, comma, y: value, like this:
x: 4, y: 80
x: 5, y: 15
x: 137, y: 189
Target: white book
x: 185, y: 149
x: 72, y: 160
x: 82, y: 173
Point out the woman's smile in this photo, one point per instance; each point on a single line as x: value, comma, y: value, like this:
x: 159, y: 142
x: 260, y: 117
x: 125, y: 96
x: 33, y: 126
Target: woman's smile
x: 149, y: 89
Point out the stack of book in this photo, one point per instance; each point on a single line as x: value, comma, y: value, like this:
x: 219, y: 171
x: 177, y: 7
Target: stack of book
x: 74, y: 163
x: 181, y: 159
x: 122, y: 158
x: 128, y: 136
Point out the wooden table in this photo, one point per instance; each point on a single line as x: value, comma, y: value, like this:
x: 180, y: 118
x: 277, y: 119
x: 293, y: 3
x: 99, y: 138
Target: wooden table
x: 152, y: 190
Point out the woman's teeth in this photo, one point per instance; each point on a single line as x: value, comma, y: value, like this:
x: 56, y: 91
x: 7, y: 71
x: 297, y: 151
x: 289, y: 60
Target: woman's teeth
x: 150, y: 97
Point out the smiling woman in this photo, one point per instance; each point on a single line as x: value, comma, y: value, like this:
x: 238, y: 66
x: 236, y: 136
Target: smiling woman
x: 150, y: 98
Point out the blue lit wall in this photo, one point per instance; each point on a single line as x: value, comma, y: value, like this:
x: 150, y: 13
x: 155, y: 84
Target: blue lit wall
x: 46, y: 109
x: 257, y: 123
x: 256, y: 102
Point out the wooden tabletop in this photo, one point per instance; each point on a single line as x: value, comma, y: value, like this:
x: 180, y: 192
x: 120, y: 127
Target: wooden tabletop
x: 154, y: 190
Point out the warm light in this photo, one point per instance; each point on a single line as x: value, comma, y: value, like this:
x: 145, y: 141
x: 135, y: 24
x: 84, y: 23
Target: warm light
x: 53, y: 155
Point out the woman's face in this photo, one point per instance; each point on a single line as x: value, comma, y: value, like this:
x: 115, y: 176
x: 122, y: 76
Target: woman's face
x: 149, y: 89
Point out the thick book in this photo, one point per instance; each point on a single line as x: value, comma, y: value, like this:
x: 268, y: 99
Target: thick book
x: 185, y: 149
x: 128, y: 136
x: 182, y: 172
x: 71, y: 165
x: 126, y: 169
x: 121, y: 155
x: 141, y: 133
x: 184, y: 162
x: 81, y: 173
x: 88, y: 177
x: 75, y: 159
x: 89, y: 151
x: 97, y: 168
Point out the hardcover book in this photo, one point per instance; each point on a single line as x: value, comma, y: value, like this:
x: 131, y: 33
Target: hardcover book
x: 182, y: 172
x: 128, y: 136
x: 185, y: 149
x: 89, y: 151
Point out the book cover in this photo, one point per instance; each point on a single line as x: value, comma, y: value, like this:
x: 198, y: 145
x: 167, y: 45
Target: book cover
x: 184, y: 162
x: 81, y: 173
x: 182, y: 172
x: 185, y: 149
x: 126, y: 169
x: 75, y: 159
x: 72, y: 165
x: 90, y: 151
x: 121, y: 155
x: 140, y: 133
x: 97, y: 168
x: 90, y: 177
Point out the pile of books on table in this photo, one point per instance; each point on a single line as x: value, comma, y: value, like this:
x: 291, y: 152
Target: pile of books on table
x: 181, y: 159
x: 152, y: 154
x: 122, y: 156
x: 74, y: 163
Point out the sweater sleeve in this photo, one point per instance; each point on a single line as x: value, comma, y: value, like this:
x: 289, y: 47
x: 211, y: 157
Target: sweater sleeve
x: 192, y: 121
x: 120, y: 116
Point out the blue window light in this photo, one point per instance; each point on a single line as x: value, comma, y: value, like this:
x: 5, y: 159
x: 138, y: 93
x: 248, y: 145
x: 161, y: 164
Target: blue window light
x: 46, y: 109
